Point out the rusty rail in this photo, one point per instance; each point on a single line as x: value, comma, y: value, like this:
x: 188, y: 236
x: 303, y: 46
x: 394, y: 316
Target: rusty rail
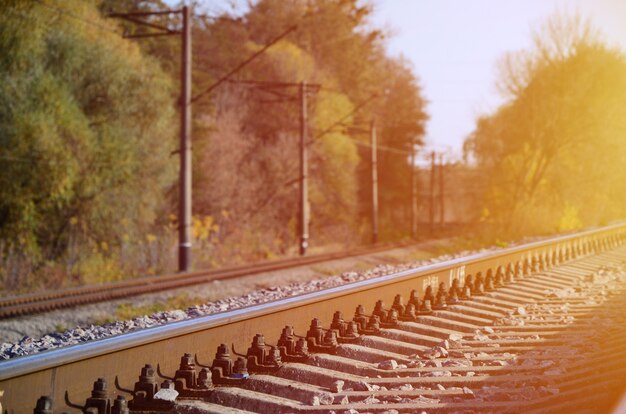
x: 64, y: 298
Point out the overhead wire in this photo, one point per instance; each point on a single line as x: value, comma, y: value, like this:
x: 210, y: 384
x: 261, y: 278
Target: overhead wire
x: 67, y: 13
x: 243, y: 64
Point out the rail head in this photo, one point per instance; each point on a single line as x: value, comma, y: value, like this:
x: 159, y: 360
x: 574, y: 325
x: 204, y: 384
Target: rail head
x: 20, y: 366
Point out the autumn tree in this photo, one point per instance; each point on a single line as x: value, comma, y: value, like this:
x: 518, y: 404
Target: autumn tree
x: 335, y: 47
x: 549, y: 153
x: 86, y: 132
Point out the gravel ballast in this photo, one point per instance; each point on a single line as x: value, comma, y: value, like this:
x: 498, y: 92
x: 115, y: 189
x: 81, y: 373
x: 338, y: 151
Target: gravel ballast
x: 33, y: 334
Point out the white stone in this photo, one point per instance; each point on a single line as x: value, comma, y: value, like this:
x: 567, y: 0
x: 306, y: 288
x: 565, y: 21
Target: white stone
x: 443, y: 352
x: 455, y: 337
x: 338, y: 386
x: 389, y: 364
x: 325, y: 398
x: 371, y: 400
x: 166, y: 394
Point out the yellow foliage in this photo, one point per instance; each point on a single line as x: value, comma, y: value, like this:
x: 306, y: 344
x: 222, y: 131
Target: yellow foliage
x: 289, y: 60
x: 97, y: 268
x: 485, y: 214
x: 203, y: 228
x: 570, y: 219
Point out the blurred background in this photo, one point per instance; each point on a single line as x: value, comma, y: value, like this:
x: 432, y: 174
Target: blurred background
x: 490, y: 121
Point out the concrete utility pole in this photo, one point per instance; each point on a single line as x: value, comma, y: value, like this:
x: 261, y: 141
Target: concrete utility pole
x: 184, y: 208
x: 413, y: 194
x: 184, y: 231
x: 374, y: 182
x: 432, y: 193
x: 184, y: 202
x: 304, y: 186
x: 441, y: 192
x: 303, y: 91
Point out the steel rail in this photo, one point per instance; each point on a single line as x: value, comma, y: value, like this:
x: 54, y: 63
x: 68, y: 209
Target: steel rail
x: 50, y: 371
x: 46, y: 301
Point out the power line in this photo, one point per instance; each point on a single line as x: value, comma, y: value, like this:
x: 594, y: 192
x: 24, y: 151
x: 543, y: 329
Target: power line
x: 244, y: 63
x: 380, y: 147
x: 343, y: 118
x: 71, y: 15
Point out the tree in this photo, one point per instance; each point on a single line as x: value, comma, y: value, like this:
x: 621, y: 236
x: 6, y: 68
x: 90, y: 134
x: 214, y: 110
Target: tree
x: 350, y: 57
x: 549, y: 152
x: 86, y: 131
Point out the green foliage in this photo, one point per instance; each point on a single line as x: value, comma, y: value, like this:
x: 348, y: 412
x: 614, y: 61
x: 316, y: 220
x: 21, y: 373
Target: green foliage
x: 126, y: 311
x: 86, y: 129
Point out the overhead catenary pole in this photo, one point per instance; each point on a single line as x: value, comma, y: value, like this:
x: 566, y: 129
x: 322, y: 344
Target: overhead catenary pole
x: 374, y: 182
x: 413, y: 194
x: 184, y: 208
x: 304, y: 216
x: 184, y: 231
x: 432, y: 193
x: 441, y: 192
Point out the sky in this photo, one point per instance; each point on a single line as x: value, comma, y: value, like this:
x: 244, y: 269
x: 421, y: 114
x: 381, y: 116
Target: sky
x: 454, y: 47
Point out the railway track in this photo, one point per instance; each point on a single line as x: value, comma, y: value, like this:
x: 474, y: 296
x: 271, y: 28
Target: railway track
x: 537, y: 328
x: 65, y: 298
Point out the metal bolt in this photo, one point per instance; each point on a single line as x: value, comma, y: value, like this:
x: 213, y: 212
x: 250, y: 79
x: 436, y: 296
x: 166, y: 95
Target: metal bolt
x: 44, y: 405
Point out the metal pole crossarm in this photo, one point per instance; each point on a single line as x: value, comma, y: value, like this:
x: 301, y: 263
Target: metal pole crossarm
x: 309, y: 86
x: 353, y: 130
x: 140, y: 14
x: 243, y: 64
x: 276, y: 93
x: 148, y: 24
x: 273, y: 101
x: 143, y: 35
x: 340, y: 121
x: 380, y: 147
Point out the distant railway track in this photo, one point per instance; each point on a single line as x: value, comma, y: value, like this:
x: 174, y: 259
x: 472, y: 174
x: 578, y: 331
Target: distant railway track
x: 533, y: 328
x: 64, y: 298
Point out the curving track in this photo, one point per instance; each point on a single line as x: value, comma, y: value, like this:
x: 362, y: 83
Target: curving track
x: 542, y: 331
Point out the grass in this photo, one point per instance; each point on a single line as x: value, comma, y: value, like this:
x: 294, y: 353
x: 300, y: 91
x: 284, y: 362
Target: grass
x: 325, y: 270
x: 126, y: 311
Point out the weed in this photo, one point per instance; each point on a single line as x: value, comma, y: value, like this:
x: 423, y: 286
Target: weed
x: 326, y: 271
x: 126, y: 311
